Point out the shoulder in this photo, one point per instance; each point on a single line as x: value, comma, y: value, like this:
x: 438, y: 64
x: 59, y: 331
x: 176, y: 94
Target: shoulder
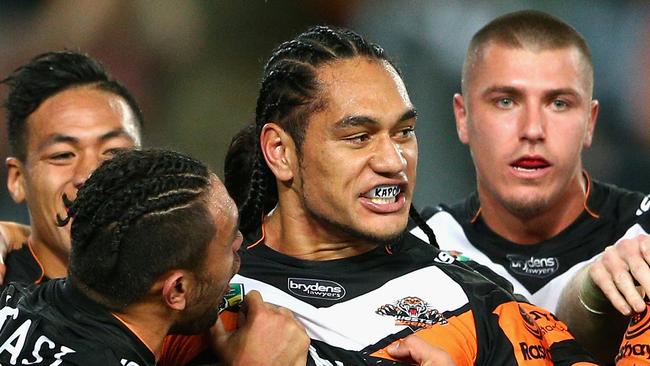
x: 22, y: 266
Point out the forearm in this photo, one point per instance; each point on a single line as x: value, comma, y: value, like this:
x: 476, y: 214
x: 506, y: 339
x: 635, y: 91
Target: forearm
x: 593, y: 321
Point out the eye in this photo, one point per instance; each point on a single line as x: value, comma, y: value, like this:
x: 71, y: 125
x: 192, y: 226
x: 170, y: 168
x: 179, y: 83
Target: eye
x: 505, y: 103
x: 560, y: 105
x: 358, y: 139
x: 406, y: 132
x: 60, y: 156
x: 111, y: 152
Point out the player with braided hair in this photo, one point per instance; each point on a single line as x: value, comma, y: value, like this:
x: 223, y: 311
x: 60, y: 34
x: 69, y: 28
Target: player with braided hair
x: 326, y: 202
x: 138, y: 197
x: 154, y: 242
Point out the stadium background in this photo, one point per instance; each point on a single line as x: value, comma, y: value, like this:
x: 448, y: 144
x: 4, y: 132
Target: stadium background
x: 194, y: 66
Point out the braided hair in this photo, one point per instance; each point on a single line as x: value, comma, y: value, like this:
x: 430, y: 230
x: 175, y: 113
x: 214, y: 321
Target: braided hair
x: 289, y: 94
x: 139, y: 215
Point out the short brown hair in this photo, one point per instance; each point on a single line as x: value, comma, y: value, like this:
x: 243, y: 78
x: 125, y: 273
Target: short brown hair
x: 530, y: 29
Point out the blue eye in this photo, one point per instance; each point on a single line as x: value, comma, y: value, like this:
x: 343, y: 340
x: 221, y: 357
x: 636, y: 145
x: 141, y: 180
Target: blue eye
x: 560, y: 104
x: 505, y: 103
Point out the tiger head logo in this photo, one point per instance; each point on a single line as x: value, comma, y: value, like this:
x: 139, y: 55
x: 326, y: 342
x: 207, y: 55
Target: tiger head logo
x: 412, y: 311
x: 412, y: 305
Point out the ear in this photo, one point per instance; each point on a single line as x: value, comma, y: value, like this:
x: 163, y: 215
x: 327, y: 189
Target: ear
x: 16, y: 179
x: 591, y: 125
x: 460, y: 112
x: 175, y: 289
x: 279, y: 151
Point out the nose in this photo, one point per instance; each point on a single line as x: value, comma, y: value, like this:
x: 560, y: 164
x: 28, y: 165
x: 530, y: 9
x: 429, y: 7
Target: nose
x: 86, y: 164
x: 388, y: 157
x: 533, y: 124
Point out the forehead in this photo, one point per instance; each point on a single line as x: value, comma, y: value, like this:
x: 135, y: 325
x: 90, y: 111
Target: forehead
x: 81, y: 112
x: 222, y: 207
x: 546, y: 68
x: 364, y: 86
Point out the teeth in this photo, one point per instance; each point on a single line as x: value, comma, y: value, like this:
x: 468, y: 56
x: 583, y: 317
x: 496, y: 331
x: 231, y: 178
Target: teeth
x: 526, y: 169
x: 383, y: 194
x: 382, y: 201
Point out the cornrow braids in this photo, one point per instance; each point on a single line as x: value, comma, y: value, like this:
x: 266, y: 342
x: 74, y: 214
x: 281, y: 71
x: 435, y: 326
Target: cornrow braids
x: 289, y: 94
x: 415, y: 216
x: 139, y: 215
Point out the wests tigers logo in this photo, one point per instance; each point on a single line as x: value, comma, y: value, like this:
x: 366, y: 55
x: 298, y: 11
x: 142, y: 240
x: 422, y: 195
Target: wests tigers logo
x: 412, y: 311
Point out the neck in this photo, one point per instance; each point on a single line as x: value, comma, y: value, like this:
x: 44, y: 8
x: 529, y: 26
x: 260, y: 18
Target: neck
x: 552, y: 220
x: 53, y: 263
x: 148, y: 325
x: 295, y: 233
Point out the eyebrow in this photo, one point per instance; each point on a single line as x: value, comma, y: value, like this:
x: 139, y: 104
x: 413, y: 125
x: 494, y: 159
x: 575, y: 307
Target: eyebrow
x: 517, y: 92
x: 354, y: 121
x: 502, y: 89
x: 61, y: 138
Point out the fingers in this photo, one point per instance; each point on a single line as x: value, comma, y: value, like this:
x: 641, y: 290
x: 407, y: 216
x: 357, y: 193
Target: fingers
x: 268, y: 335
x: 620, y: 269
x: 419, y: 351
x: 602, y: 278
x: 219, y: 335
x: 252, y: 302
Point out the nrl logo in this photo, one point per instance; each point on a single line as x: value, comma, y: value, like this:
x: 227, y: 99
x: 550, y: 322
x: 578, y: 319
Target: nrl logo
x: 412, y: 311
x: 533, y: 266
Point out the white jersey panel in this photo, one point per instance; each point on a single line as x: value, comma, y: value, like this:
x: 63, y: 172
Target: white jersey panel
x: 355, y: 324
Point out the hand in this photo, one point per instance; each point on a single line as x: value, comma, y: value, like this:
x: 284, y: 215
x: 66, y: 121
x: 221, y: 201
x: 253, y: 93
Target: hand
x: 419, y: 351
x: 617, y: 269
x: 266, y: 335
x: 12, y: 237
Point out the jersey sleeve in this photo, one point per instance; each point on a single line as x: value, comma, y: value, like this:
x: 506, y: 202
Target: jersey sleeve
x: 538, y: 337
x: 179, y: 350
x: 457, y: 337
x: 635, y: 346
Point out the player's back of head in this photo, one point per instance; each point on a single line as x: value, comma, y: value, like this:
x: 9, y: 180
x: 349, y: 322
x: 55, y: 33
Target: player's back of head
x: 139, y: 215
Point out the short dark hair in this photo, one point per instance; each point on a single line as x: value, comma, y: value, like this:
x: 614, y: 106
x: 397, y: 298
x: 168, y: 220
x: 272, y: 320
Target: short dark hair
x: 526, y: 29
x: 289, y: 94
x: 46, y: 75
x: 138, y: 215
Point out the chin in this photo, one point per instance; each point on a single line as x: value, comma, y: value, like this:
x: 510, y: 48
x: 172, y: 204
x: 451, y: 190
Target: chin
x: 383, y: 234
x: 526, y: 207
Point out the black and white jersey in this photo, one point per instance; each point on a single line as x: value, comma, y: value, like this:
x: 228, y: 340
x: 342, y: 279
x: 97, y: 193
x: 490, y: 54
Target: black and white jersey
x: 55, y: 324
x: 353, y: 308
x: 540, y: 271
x: 23, y: 267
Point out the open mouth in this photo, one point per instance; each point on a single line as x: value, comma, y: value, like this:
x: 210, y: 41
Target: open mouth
x: 383, y: 194
x: 530, y: 164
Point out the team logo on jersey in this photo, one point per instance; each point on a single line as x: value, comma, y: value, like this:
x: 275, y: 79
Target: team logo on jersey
x: 412, y: 311
x: 316, y: 289
x: 533, y: 266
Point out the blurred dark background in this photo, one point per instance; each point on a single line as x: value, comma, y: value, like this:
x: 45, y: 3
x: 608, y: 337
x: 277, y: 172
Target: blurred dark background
x: 194, y: 66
